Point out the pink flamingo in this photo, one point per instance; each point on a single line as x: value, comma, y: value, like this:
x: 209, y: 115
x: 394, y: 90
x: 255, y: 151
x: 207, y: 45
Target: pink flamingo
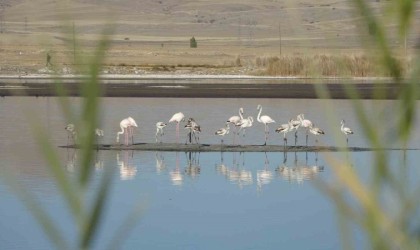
x: 126, y: 126
x: 178, y: 117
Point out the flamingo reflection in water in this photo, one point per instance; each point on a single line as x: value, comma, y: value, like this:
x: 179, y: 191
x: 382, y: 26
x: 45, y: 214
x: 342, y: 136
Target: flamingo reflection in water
x: 264, y: 176
x: 160, y: 162
x: 176, y: 175
x: 235, y: 174
x: 71, y: 160
x: 127, y: 169
x: 298, y: 173
x: 193, y: 168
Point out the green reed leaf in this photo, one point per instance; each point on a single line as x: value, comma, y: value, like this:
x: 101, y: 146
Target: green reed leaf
x: 380, y: 40
x: 91, y: 91
x: 69, y: 192
x: 93, y: 221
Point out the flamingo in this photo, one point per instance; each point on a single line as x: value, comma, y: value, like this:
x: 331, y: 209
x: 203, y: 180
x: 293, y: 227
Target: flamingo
x: 126, y: 126
x: 285, y: 128
x: 306, y: 124
x: 99, y: 132
x: 196, y: 133
x: 347, y: 131
x: 295, y: 125
x: 223, y: 131
x: 178, y: 117
x: 194, y: 130
x: 235, y: 120
x: 264, y: 119
x: 316, y: 131
x: 71, y: 132
x: 159, y: 130
x: 244, y: 124
x: 131, y: 128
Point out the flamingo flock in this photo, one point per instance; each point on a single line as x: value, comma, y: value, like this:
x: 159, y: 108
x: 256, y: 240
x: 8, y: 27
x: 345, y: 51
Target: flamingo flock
x: 239, y: 123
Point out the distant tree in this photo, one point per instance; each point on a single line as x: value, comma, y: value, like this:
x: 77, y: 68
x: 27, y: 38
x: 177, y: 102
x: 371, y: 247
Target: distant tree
x: 193, y: 43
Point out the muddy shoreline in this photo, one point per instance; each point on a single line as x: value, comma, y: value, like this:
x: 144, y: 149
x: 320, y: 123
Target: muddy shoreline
x: 227, y: 148
x: 204, y: 87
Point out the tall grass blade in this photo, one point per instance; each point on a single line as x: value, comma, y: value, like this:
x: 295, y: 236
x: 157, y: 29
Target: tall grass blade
x: 380, y: 40
x: 93, y: 220
x: 69, y: 192
x: 91, y: 91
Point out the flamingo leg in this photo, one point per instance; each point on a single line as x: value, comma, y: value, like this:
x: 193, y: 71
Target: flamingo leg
x: 177, y: 132
x: 265, y: 135
x: 132, y: 134
x: 126, y: 137
x: 234, y: 134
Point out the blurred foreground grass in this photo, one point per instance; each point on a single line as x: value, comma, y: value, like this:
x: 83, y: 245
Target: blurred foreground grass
x: 385, y: 209
x: 365, y: 209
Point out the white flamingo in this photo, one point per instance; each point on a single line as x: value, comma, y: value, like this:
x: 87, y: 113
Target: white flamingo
x: 244, y: 124
x: 126, y: 126
x: 307, y: 124
x: 285, y: 128
x: 266, y: 120
x: 159, y: 130
x: 223, y: 131
x: 347, y: 131
x: 236, y: 120
x: 178, y: 117
x: 99, y: 132
x: 295, y: 124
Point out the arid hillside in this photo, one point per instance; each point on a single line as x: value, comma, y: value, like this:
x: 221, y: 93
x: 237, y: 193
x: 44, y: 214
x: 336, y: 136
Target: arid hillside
x: 156, y: 34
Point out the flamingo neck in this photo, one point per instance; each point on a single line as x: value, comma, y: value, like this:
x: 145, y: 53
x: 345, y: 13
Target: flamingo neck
x: 122, y: 130
x: 259, y: 114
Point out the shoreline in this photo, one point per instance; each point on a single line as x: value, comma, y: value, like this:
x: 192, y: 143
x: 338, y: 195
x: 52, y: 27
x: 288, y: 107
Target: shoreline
x: 177, y: 147
x: 203, y: 86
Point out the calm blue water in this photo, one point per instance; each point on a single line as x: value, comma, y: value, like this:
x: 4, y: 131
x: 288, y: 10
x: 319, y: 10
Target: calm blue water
x: 191, y: 200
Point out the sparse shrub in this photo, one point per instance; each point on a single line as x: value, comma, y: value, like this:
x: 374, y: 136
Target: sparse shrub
x: 238, y: 61
x: 193, y: 43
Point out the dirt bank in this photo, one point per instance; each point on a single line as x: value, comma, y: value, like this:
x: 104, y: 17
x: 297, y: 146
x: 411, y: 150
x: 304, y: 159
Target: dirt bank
x: 203, y: 87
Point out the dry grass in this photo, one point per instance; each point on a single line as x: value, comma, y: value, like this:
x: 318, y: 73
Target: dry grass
x: 229, y: 33
x: 321, y: 66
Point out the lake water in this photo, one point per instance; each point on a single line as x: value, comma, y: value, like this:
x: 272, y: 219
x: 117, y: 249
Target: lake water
x: 194, y: 200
